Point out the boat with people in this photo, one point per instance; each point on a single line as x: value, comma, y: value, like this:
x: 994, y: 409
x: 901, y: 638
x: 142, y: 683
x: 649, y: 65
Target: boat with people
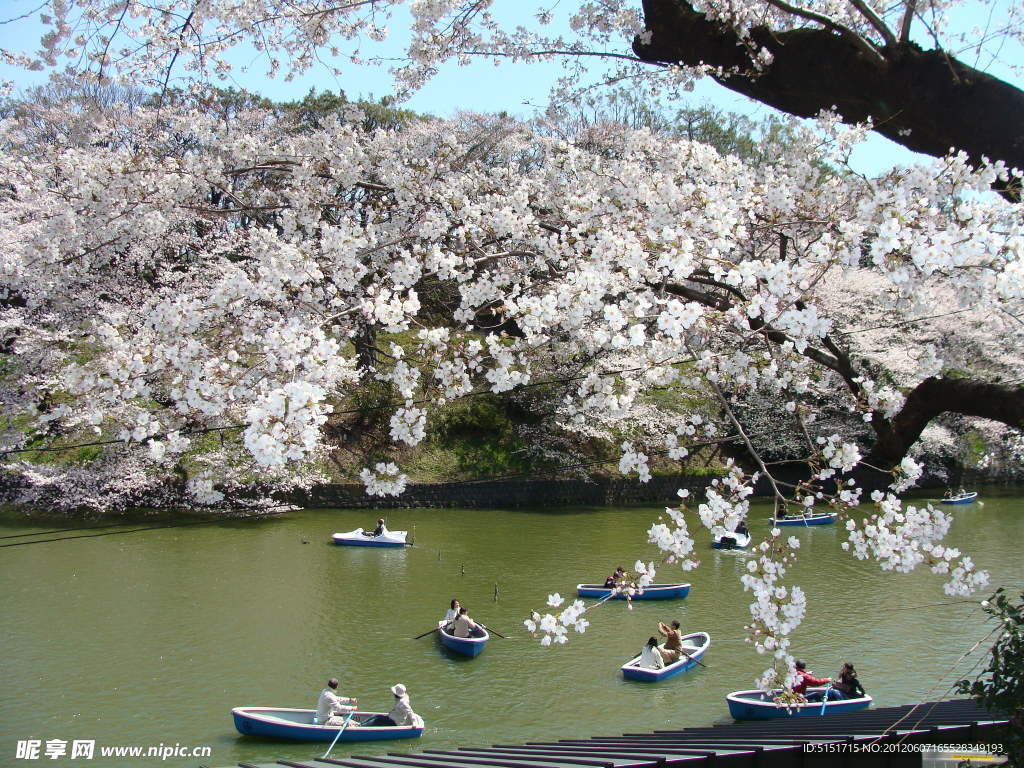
x: 815, y: 518
x: 695, y: 645
x: 760, y: 705
x: 300, y: 725
x: 650, y: 592
x: 468, y: 646
x: 960, y: 497
x: 738, y: 539
x: 358, y: 538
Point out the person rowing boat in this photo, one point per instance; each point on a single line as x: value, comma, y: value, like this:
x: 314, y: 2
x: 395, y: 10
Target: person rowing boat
x: 333, y: 709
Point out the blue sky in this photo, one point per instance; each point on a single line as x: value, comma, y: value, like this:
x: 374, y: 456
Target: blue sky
x: 481, y: 86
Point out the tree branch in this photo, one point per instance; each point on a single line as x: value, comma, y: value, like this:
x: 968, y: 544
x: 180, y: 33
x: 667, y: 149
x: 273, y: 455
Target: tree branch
x: 875, y: 21
x: 924, y: 100
x: 857, y: 40
x: 927, y: 401
x: 771, y: 334
x: 908, y: 18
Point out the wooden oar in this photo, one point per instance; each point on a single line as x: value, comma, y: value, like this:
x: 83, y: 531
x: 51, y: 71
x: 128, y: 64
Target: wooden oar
x: 491, y: 630
x: 435, y: 629
x: 693, y: 659
x: 338, y: 734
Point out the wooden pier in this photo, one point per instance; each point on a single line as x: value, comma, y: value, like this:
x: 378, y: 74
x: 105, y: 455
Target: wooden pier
x: 888, y: 736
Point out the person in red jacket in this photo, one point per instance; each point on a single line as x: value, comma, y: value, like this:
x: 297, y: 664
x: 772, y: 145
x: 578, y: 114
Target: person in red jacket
x: 806, y: 679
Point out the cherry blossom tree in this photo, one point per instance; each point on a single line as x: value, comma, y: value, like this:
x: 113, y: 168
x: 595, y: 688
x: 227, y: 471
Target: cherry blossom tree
x: 201, y: 293
x: 171, y: 288
x: 864, y: 57
x: 904, y: 66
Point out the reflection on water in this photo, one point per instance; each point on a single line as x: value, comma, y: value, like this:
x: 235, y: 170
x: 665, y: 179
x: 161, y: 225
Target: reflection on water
x: 151, y: 637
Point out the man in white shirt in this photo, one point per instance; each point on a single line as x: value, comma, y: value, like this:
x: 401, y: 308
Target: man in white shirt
x: 332, y: 709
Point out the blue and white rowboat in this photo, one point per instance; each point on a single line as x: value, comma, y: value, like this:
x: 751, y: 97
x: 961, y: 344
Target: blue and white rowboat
x: 695, y: 644
x: 816, y: 518
x: 651, y: 592
x: 357, y: 538
x: 297, y: 725
x: 961, y: 498
x: 758, y: 705
x: 467, y: 646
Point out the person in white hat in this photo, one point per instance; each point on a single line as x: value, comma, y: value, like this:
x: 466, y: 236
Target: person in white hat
x: 401, y: 713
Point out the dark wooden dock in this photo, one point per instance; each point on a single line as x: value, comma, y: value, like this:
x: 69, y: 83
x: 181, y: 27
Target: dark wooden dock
x: 888, y: 736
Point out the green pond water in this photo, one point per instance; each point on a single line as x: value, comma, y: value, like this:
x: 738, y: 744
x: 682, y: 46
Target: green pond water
x: 150, y: 638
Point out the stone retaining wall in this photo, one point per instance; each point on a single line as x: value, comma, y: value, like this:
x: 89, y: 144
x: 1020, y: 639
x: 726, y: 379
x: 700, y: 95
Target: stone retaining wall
x: 508, y: 494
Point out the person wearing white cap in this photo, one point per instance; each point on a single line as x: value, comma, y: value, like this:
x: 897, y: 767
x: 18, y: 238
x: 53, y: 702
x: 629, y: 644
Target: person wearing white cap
x: 401, y: 713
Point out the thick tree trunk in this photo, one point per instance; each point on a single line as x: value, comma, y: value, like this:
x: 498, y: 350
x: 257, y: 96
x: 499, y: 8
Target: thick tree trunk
x: 365, y: 343
x: 924, y: 100
x: 933, y: 397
